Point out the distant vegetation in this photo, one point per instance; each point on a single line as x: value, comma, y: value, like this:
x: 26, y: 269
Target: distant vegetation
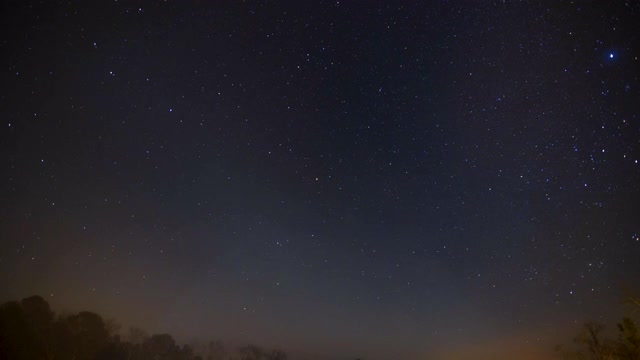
x: 593, y: 343
x: 29, y: 329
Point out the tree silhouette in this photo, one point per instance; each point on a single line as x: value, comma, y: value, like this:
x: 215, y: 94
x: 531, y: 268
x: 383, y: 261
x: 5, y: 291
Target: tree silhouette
x: 593, y: 345
x: 17, y: 338
x: 30, y: 330
x: 89, y: 334
x: 628, y: 347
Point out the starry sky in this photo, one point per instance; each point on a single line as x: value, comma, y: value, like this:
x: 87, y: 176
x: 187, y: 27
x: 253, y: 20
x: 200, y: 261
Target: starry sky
x: 389, y: 179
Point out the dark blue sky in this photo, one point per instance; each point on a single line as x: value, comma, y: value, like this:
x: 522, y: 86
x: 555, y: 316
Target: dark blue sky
x: 390, y: 179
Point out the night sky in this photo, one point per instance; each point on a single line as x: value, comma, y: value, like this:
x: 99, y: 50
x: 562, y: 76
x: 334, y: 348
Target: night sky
x: 419, y: 180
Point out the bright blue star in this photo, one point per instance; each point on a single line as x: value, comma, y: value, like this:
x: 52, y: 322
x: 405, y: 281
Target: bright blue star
x: 610, y: 55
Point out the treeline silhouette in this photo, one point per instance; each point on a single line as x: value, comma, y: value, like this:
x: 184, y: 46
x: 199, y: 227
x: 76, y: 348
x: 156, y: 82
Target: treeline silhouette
x: 29, y: 329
